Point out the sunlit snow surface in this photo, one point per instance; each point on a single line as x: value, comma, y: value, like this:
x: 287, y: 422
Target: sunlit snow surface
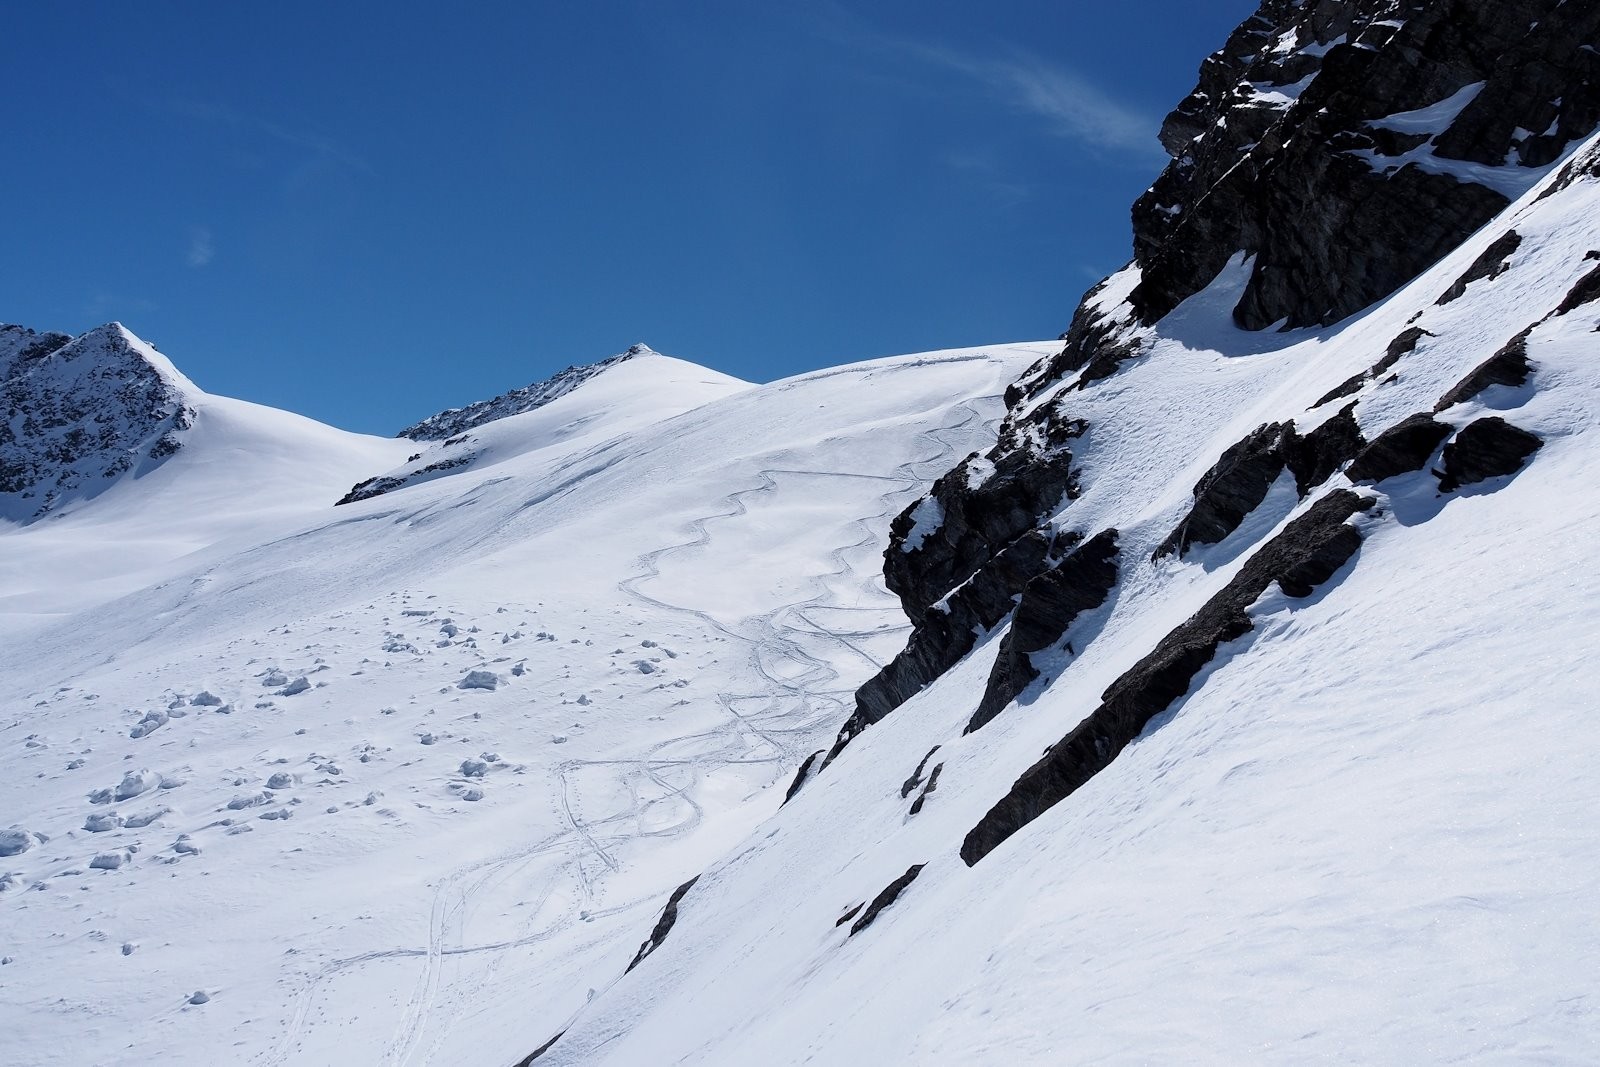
x: 673, y: 577
x: 1368, y: 835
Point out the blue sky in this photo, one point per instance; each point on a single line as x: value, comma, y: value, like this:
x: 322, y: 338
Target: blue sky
x: 368, y: 212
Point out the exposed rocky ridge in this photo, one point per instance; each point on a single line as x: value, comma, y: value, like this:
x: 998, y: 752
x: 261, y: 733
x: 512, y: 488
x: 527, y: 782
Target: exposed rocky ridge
x: 1342, y: 148
x: 79, y: 412
x: 1335, y: 143
x: 454, y: 421
x: 1337, y: 149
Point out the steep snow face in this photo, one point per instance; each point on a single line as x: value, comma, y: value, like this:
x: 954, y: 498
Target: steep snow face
x: 81, y: 414
x: 455, y: 421
x: 416, y: 774
x: 637, y: 388
x: 1342, y: 814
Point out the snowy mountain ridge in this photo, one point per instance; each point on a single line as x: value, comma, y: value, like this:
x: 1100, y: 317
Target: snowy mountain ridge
x: 82, y: 412
x: 454, y: 421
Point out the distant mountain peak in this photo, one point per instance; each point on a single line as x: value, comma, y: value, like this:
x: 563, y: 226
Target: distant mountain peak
x: 454, y: 421
x: 81, y: 412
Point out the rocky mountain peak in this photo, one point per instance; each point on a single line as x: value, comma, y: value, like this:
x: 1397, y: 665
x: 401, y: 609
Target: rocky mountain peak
x: 1344, y: 147
x: 80, y: 412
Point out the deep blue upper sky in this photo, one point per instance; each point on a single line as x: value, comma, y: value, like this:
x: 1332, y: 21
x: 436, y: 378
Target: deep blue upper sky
x: 367, y: 212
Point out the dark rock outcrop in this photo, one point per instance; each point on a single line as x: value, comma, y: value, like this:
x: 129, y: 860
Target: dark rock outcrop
x: 1485, y: 448
x: 1508, y: 366
x: 890, y: 893
x: 1314, y: 457
x: 1234, y: 487
x: 915, y: 780
x: 928, y: 789
x: 388, y: 483
x: 946, y: 632
x: 1239, y: 481
x: 1304, y: 148
x: 1402, y: 448
x: 1585, y: 291
x: 1494, y: 261
x: 1401, y: 346
x: 527, y: 1060
x: 1050, y: 603
x: 807, y: 771
x: 1305, y: 555
x: 669, y: 917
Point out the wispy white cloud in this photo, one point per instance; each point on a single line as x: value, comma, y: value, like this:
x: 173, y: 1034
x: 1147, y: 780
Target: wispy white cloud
x: 202, y: 247
x: 1074, y: 108
x: 1071, y: 105
x: 314, y: 147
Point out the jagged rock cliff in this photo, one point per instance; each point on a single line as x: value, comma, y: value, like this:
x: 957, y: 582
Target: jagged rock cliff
x: 1329, y: 153
x: 80, y: 412
x: 1242, y: 648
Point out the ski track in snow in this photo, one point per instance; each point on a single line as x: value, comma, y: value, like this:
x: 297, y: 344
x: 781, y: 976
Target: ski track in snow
x: 800, y: 698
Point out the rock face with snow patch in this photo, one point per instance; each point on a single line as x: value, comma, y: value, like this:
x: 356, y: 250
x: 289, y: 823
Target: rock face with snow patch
x: 81, y: 412
x: 1329, y: 153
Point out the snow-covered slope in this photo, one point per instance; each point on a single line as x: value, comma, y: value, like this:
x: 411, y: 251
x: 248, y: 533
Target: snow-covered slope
x: 1362, y: 832
x: 131, y: 466
x: 618, y: 395
x: 539, y: 693
x: 1181, y: 692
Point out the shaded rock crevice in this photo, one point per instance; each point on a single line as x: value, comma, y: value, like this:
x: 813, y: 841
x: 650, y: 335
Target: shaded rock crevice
x: 1050, y: 603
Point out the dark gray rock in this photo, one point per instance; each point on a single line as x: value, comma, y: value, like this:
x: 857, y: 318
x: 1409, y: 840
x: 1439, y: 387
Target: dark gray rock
x: 1489, y: 447
x: 1314, y: 457
x: 1234, y: 487
x: 1050, y: 604
x: 889, y: 895
x: 1333, y: 207
x: 1585, y: 291
x: 664, y: 925
x: 1509, y: 366
x: 806, y: 772
x: 1404, y: 447
x: 945, y: 633
x: 1401, y: 346
x: 916, y: 776
x: 928, y: 789
x: 1493, y: 262
x: 78, y: 413
x: 1304, y: 555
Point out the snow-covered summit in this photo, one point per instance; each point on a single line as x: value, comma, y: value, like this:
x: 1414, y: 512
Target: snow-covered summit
x: 453, y: 421
x: 608, y: 399
x: 83, y: 412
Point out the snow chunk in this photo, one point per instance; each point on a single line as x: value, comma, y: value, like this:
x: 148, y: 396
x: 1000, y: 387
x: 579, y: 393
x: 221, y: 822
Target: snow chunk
x: 479, y: 680
x: 15, y: 841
